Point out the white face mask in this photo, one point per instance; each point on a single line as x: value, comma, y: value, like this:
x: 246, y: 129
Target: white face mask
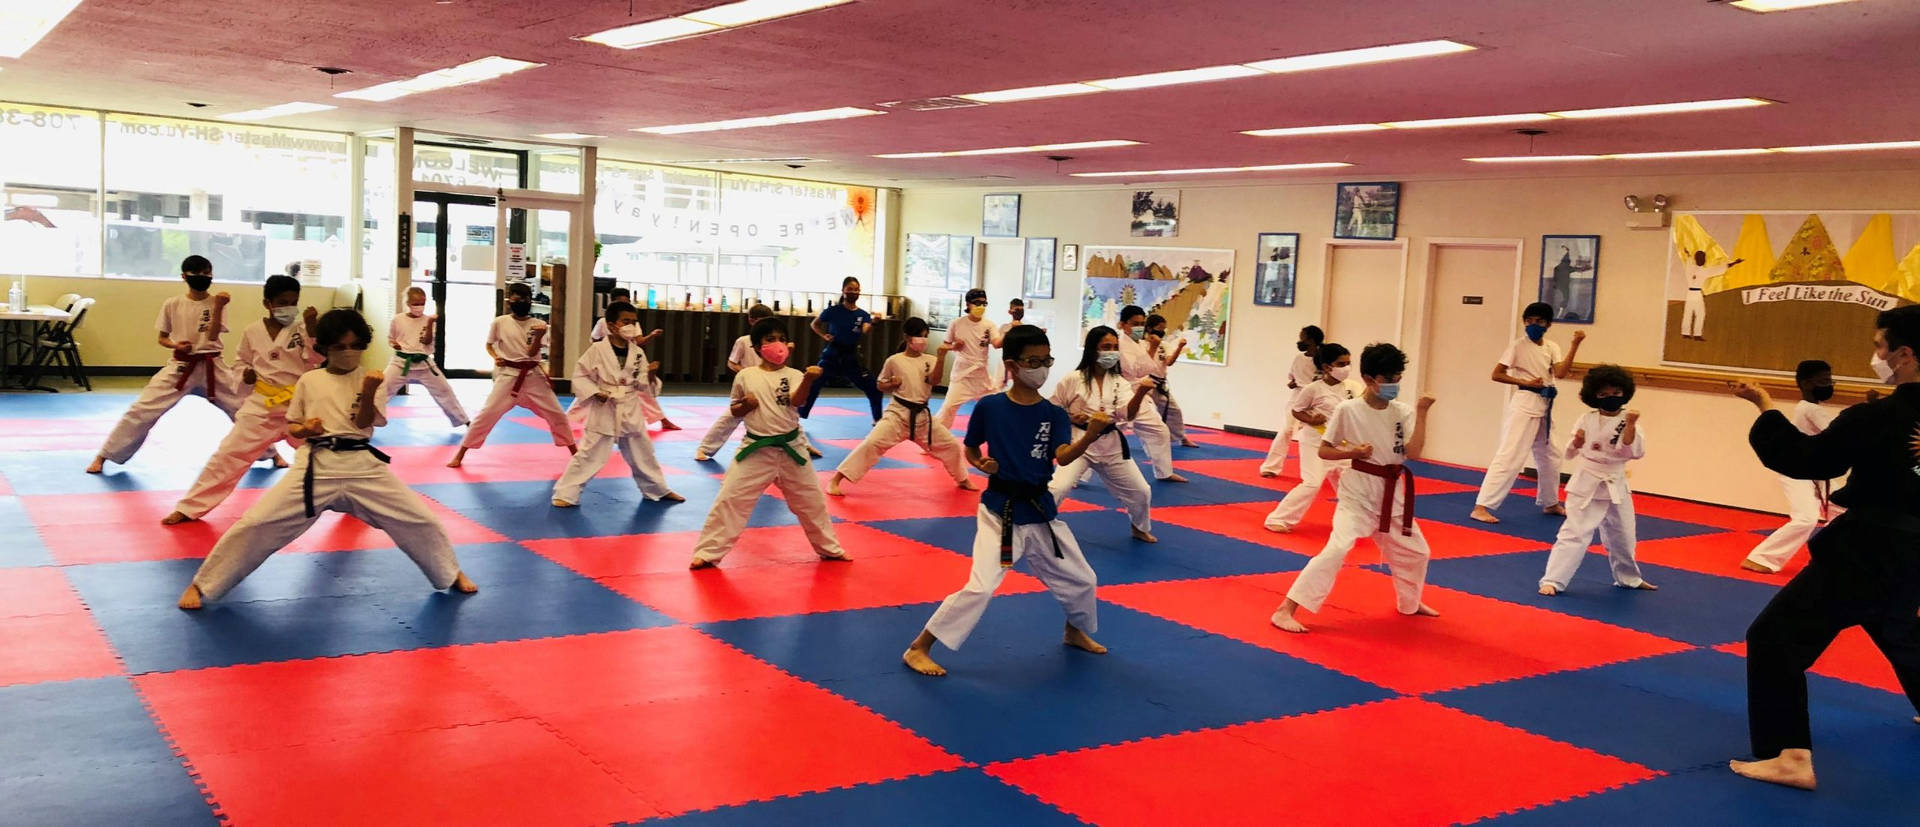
x: 284, y: 315
x: 917, y: 344
x: 415, y: 310
x: 1109, y: 359
x: 1882, y: 370
x: 1340, y: 374
x: 1032, y: 377
x: 629, y: 331
x: 345, y: 360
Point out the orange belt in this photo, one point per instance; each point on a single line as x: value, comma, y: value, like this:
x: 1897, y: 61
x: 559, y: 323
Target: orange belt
x: 1392, y: 474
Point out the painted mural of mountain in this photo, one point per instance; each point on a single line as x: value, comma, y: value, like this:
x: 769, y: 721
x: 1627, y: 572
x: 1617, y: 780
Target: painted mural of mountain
x: 1810, y: 256
x: 1117, y: 267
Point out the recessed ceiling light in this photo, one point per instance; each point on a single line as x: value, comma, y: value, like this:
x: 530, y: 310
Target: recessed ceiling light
x: 1332, y: 129
x: 1149, y: 173
x: 1520, y: 117
x: 763, y: 120
x: 1533, y: 159
x: 755, y: 11
x: 1358, y: 57
x: 1700, y: 153
x: 23, y: 24
x: 1012, y: 150
x: 1177, y: 76
x: 1688, y: 153
x: 486, y: 68
x: 1663, y: 108
x: 650, y: 32
x: 1474, y: 120
x: 705, y: 21
x: 1849, y: 147
x: 282, y: 110
x: 1765, y: 6
x: 565, y: 136
x: 1300, y: 63
x: 1027, y: 93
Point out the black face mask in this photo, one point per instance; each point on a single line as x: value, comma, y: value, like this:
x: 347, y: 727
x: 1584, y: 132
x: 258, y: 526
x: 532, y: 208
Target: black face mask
x: 1017, y: 314
x: 1610, y: 403
x: 850, y: 298
x: 199, y: 284
x: 1301, y: 345
x: 520, y: 308
x: 1157, y: 333
x: 1820, y: 393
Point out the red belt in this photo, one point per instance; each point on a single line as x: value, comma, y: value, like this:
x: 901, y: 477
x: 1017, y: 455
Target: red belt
x: 1392, y: 474
x: 1823, y: 489
x: 195, y: 360
x: 525, y: 368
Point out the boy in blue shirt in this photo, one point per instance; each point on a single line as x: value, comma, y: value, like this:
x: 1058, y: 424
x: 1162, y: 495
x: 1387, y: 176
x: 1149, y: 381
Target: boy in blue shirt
x: 843, y: 325
x: 1025, y: 436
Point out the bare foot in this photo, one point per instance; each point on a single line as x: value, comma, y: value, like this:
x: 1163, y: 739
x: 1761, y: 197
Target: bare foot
x: 672, y: 497
x: 667, y: 425
x: 1554, y: 511
x: 279, y: 461
x: 1188, y: 443
x: 190, y: 599
x: 1174, y: 478
x: 1426, y: 611
x: 1283, y: 620
x: 1793, y: 768
x: 562, y: 504
x: 1749, y: 565
x: 1548, y: 590
x: 464, y: 585
x: 842, y: 557
x: 920, y: 660
x: 1482, y: 515
x: 99, y: 465
x: 833, y: 487
x: 1144, y: 537
x: 699, y: 564
x: 1279, y: 528
x: 457, y: 457
x: 814, y: 452
x: 1079, y: 640
x: 175, y: 518
x: 1644, y: 586
x: 1265, y: 475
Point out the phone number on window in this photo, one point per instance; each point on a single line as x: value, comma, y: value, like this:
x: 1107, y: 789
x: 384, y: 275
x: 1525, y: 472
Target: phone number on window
x: 41, y: 120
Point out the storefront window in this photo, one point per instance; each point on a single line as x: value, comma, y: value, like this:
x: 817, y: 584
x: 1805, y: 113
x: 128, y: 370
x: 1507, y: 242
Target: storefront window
x: 252, y: 199
x: 379, y: 244
x: 555, y: 170
x: 461, y: 167
x: 49, y: 190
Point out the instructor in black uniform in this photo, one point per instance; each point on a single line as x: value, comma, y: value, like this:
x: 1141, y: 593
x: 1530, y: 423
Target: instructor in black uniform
x: 1864, y: 569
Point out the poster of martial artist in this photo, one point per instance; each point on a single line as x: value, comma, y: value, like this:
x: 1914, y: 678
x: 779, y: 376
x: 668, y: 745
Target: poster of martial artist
x: 927, y: 260
x: 1191, y: 287
x: 1569, y: 276
x: 1762, y: 290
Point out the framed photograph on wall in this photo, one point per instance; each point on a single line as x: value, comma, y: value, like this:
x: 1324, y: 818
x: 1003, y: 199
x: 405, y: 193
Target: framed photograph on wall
x: 1367, y: 210
x: 1069, y: 257
x: 1156, y: 214
x: 926, y: 260
x: 1569, y: 275
x: 942, y: 308
x: 1276, y: 257
x: 1038, y: 281
x: 1000, y: 216
x: 959, y: 262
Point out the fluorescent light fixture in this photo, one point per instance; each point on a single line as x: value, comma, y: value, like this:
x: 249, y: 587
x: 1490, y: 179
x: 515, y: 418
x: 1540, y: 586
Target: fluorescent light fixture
x: 1849, y: 147
x: 1699, y: 153
x: 755, y: 11
x: 1357, y: 57
x: 1178, y: 76
x: 1765, y: 6
x: 24, y: 22
x: 763, y: 120
x: 1151, y: 173
x: 1534, y: 159
x: 1027, y: 93
x: 295, y: 108
x: 565, y: 136
x: 650, y: 32
x: 1687, y: 153
x: 1330, y: 129
x: 1012, y: 150
x: 1474, y: 120
x: 1663, y: 108
x: 486, y: 68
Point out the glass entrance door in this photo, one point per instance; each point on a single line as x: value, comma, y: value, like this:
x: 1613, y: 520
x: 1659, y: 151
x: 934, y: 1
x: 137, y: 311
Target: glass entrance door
x: 455, y: 261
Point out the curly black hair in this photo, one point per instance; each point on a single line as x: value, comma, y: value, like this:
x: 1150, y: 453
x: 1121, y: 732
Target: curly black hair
x: 1380, y: 360
x: 337, y: 323
x: 1605, y: 376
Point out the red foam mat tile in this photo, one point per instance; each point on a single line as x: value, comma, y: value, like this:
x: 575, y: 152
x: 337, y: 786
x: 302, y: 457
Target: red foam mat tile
x: 1358, y: 632
x: 1852, y: 658
x: 55, y: 647
x: 581, y: 673
x: 1730, y: 519
x: 619, y: 556
x: 519, y: 462
x: 1247, y: 521
x: 1404, y: 761
x: 909, y: 493
x: 31, y: 592
x: 1715, y: 554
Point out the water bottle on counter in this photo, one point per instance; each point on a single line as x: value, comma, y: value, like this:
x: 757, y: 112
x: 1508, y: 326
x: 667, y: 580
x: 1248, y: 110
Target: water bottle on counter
x: 17, y: 297
x: 652, y: 297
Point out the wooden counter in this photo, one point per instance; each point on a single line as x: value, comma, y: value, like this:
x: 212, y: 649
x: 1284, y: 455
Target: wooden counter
x: 695, y: 344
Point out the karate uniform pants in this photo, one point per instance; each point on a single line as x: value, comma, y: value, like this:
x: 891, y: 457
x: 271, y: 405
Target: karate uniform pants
x: 962, y: 387
x: 845, y: 366
x: 380, y: 500
x: 1520, y: 433
x: 1155, y: 440
x: 536, y: 395
x: 1069, y: 577
x: 1693, y: 320
x: 1406, y: 557
x: 1614, y: 520
x: 723, y: 428
x: 595, y: 450
x: 1276, y: 461
x: 161, y: 394
x: 1803, y: 516
x: 1860, y: 574
x: 650, y: 402
x: 891, y: 430
x: 399, y: 375
x: 255, y: 429
x: 1314, y: 474
x: 746, y: 480
x: 1170, y: 414
x: 1124, y: 481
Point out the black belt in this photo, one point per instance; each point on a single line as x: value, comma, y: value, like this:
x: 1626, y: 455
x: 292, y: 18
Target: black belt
x: 914, y: 410
x: 1126, y: 451
x: 1019, y: 492
x: 339, y: 444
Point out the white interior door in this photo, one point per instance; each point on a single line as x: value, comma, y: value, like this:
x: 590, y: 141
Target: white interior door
x: 1363, y: 295
x: 1469, y: 321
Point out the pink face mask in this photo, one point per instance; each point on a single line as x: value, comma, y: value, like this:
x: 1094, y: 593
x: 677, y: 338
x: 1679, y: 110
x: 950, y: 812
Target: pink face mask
x: 775, y: 352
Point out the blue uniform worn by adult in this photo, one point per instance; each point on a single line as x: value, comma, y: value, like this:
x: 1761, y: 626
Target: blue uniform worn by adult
x: 841, y: 358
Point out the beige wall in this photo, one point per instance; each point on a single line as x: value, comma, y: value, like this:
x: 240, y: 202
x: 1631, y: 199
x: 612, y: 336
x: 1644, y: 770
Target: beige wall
x: 1697, y: 448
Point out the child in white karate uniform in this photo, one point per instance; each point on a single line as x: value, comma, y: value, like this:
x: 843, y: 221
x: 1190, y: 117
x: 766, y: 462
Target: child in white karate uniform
x: 273, y: 353
x: 1807, y: 503
x: 910, y: 376
x: 1530, y: 364
x: 1313, y: 408
x: 1016, y: 316
x: 411, y: 336
x: 971, y: 338
x: 607, y: 383
x: 190, y: 326
x: 1136, y: 363
x: 1025, y: 435
x: 1095, y: 386
x: 519, y: 379
x: 1162, y: 357
x: 1604, y: 441
x: 767, y: 398
x: 335, y: 410
x: 1378, y: 434
x: 1300, y: 375
x: 742, y: 357
x: 618, y: 295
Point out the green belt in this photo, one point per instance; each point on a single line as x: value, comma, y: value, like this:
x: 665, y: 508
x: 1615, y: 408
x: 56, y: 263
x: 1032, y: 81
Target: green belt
x: 784, y: 442
x: 413, y: 358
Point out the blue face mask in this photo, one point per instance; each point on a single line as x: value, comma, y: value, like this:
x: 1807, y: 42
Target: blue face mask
x: 1535, y: 331
x: 1388, y: 391
x: 1109, y: 359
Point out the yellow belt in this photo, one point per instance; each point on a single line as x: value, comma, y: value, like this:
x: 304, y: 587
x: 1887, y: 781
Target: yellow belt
x: 276, y: 395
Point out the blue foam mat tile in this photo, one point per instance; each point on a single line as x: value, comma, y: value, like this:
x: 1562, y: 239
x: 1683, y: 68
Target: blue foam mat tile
x: 23, y: 547
x: 525, y: 511
x: 157, y: 793
x: 521, y: 596
x: 831, y: 455
x: 70, y: 727
x: 1159, y: 677
x: 1207, y: 451
x: 1182, y: 553
x: 153, y: 469
x: 156, y: 584
x: 226, y: 633
x: 1715, y: 796
x: 434, y: 430
x: 962, y: 798
x: 1521, y: 517
x: 1199, y: 489
x: 1701, y: 609
x: 1463, y: 476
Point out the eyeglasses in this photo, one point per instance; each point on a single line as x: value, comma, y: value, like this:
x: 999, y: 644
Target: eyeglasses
x: 1035, y: 362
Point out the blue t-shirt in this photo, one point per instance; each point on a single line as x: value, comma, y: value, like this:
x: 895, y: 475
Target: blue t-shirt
x: 1024, y: 439
x: 844, y: 325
